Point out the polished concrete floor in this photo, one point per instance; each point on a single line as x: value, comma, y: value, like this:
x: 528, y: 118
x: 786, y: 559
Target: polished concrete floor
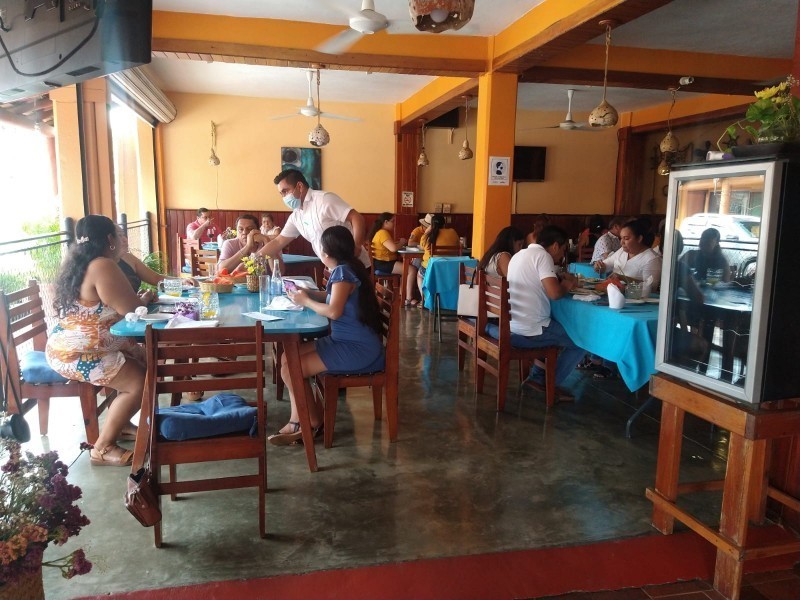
x: 461, y: 479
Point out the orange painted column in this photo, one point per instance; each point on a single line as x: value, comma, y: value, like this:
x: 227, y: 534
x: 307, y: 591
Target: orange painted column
x: 497, y: 113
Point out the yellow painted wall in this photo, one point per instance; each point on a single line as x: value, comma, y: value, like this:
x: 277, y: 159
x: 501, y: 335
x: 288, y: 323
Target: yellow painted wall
x: 580, y: 172
x: 358, y: 164
x: 447, y: 178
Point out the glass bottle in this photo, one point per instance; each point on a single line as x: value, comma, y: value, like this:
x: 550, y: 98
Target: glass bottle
x: 277, y: 280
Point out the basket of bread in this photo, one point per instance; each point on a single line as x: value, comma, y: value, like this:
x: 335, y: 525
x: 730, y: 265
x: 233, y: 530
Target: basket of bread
x: 222, y: 283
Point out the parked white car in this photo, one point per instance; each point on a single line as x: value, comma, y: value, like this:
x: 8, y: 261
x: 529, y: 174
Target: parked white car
x: 732, y: 228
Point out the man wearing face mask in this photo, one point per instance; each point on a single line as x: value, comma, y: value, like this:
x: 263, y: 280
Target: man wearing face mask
x: 313, y: 211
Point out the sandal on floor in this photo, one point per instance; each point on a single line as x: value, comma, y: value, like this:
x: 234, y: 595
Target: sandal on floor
x: 104, y: 458
x: 287, y: 439
x: 587, y: 364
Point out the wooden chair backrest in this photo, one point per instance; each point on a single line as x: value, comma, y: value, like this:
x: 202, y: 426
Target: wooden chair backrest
x: 445, y: 250
x: 467, y: 274
x: 184, y: 247
x: 493, y: 303
x: 389, y: 304
x: 22, y: 319
x: 585, y: 253
x: 204, y: 262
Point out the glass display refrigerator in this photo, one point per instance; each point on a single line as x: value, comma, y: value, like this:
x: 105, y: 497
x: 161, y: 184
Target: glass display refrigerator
x: 729, y: 315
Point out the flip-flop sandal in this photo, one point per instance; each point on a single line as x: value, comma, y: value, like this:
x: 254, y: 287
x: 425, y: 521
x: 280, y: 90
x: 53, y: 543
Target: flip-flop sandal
x: 287, y: 439
x: 101, y: 457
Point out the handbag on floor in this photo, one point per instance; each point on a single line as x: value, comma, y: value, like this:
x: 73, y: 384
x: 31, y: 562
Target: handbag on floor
x: 468, y: 298
x: 141, y: 497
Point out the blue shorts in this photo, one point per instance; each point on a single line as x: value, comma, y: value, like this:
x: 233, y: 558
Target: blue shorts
x: 349, y: 357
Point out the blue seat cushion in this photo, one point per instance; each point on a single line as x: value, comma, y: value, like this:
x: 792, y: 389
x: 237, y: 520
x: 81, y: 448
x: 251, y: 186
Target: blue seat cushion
x: 35, y: 369
x: 218, y: 415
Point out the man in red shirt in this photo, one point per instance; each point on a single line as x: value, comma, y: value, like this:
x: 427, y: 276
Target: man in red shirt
x: 203, y: 228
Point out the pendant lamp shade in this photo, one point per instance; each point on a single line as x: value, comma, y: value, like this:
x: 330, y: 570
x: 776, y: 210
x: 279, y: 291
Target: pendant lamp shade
x: 605, y: 115
x: 213, y: 160
x: 435, y: 16
x: 422, y: 160
x: 466, y: 152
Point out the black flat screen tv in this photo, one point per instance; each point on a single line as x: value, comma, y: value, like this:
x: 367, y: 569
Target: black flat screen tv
x: 529, y: 162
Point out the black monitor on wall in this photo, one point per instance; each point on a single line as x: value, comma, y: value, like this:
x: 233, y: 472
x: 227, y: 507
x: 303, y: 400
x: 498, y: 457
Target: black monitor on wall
x: 529, y: 163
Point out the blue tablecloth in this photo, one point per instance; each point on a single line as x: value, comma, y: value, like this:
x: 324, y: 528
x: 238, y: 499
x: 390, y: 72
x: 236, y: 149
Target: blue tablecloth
x: 585, y: 269
x: 626, y: 336
x: 231, y: 308
x: 296, y: 259
x: 441, y: 277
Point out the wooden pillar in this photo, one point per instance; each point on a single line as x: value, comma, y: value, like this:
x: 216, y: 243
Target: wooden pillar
x: 406, y: 152
x: 630, y: 157
x: 96, y: 148
x: 497, y: 112
x: 69, y: 172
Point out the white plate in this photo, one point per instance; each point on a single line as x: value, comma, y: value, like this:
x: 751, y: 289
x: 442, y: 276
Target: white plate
x: 631, y: 301
x: 652, y: 300
x: 156, y: 316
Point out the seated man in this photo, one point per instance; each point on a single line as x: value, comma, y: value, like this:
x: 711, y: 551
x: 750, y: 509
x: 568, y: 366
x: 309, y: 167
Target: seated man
x: 609, y: 242
x: 532, y: 283
x: 247, y: 241
x: 202, y: 229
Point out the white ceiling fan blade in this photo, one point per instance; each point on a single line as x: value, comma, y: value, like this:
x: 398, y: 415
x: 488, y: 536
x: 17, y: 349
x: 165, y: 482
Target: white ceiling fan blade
x: 278, y: 118
x: 339, y: 43
x: 340, y: 117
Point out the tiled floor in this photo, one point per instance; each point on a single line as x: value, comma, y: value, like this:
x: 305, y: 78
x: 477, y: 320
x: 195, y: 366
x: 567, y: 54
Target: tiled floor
x: 461, y: 480
x: 772, y: 585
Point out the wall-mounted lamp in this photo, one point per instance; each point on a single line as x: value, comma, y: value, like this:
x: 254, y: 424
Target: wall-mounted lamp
x: 465, y: 153
x: 213, y: 160
x: 422, y: 160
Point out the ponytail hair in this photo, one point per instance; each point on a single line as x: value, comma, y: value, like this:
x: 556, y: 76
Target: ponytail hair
x: 378, y: 225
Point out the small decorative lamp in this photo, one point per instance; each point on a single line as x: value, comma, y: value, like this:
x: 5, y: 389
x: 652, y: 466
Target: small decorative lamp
x: 440, y: 15
x: 422, y: 161
x: 465, y: 153
x: 669, y: 145
x: 605, y: 115
x: 213, y: 160
x: 319, y: 136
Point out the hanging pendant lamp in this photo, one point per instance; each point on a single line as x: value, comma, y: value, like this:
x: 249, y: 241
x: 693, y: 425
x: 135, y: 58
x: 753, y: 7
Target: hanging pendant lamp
x: 465, y: 153
x: 422, y: 160
x: 670, y: 142
x: 319, y: 136
x: 605, y: 115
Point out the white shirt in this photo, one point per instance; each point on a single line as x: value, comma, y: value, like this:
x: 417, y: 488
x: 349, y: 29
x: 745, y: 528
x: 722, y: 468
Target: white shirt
x: 530, y: 305
x: 605, y: 245
x: 639, y: 267
x: 319, y: 211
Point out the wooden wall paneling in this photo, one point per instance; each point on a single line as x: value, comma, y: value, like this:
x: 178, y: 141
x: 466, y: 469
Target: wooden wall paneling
x: 630, y: 158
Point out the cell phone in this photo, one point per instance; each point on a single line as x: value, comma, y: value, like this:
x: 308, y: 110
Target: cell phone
x: 290, y: 286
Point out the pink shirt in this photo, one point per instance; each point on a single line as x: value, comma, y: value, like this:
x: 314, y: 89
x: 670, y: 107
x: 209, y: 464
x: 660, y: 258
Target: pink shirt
x: 209, y: 235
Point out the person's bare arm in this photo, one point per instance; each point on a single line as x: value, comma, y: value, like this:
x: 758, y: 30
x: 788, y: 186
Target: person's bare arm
x: 358, y: 225
x: 556, y: 289
x: 111, y: 286
x: 340, y: 291
x: 142, y: 271
x: 394, y: 246
x: 502, y: 263
x: 273, y: 247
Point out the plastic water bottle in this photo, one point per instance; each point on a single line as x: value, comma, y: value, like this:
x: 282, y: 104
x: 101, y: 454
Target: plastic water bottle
x: 277, y: 280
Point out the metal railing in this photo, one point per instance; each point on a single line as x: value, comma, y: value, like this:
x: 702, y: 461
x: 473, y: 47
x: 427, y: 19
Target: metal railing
x: 138, y: 233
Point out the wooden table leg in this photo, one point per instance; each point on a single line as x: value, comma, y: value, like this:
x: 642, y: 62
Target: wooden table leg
x: 302, y: 396
x: 669, y: 460
x: 742, y: 482
x: 403, y: 280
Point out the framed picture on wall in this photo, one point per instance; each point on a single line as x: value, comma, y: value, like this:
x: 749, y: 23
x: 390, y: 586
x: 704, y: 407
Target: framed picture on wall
x: 306, y: 160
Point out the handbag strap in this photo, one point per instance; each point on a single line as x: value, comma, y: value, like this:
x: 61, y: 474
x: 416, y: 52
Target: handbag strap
x: 472, y: 280
x: 151, y: 432
x: 7, y: 385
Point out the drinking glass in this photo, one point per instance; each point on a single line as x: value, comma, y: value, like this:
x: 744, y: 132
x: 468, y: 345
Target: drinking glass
x: 171, y: 286
x: 264, y: 291
x: 633, y: 290
x: 209, y: 305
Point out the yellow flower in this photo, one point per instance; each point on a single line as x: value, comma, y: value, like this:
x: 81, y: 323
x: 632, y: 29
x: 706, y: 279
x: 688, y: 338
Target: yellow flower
x: 770, y: 92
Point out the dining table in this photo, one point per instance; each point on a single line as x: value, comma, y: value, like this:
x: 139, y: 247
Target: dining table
x: 626, y: 336
x: 441, y: 280
x: 288, y: 328
x: 584, y: 269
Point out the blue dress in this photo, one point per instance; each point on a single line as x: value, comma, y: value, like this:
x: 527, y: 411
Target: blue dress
x: 352, y: 347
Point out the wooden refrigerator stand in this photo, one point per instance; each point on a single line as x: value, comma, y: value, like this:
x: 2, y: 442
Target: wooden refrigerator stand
x: 745, y: 487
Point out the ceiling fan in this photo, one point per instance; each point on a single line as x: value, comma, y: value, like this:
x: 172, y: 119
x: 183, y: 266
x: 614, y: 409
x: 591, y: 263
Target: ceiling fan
x: 311, y: 108
x: 364, y: 22
x: 568, y: 123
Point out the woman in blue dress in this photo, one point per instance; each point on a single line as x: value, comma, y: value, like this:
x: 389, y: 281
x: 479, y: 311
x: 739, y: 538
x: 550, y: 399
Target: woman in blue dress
x: 355, y: 344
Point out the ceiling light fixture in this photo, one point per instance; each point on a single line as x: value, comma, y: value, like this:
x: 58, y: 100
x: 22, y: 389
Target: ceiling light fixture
x: 319, y: 136
x: 605, y: 115
x: 670, y: 141
x: 465, y: 153
x: 422, y: 160
x: 440, y: 15
x: 213, y: 160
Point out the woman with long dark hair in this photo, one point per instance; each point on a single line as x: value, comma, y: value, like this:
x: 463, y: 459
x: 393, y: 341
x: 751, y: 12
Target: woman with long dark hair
x: 92, y: 294
x: 384, y: 252
x: 635, y: 260
x: 436, y: 234
x: 708, y: 261
x: 507, y: 243
x: 355, y: 344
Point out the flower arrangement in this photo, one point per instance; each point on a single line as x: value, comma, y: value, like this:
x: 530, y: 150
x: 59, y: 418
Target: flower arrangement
x: 255, y: 264
x: 229, y: 234
x: 777, y: 113
x: 36, y: 508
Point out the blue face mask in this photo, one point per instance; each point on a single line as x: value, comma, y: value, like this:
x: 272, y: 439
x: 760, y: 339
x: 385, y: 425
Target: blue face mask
x: 292, y: 202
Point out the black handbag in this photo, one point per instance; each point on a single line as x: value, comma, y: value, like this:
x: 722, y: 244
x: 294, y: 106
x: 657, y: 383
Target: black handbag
x: 141, y: 497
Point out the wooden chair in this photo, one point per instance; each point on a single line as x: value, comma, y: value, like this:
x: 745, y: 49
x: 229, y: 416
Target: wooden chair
x: 585, y: 253
x: 22, y: 319
x: 465, y: 334
x: 184, y: 248
x: 445, y: 250
x: 203, y: 262
x: 438, y: 317
x: 328, y: 385
x: 245, y: 345
x: 391, y: 280
x: 495, y: 354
